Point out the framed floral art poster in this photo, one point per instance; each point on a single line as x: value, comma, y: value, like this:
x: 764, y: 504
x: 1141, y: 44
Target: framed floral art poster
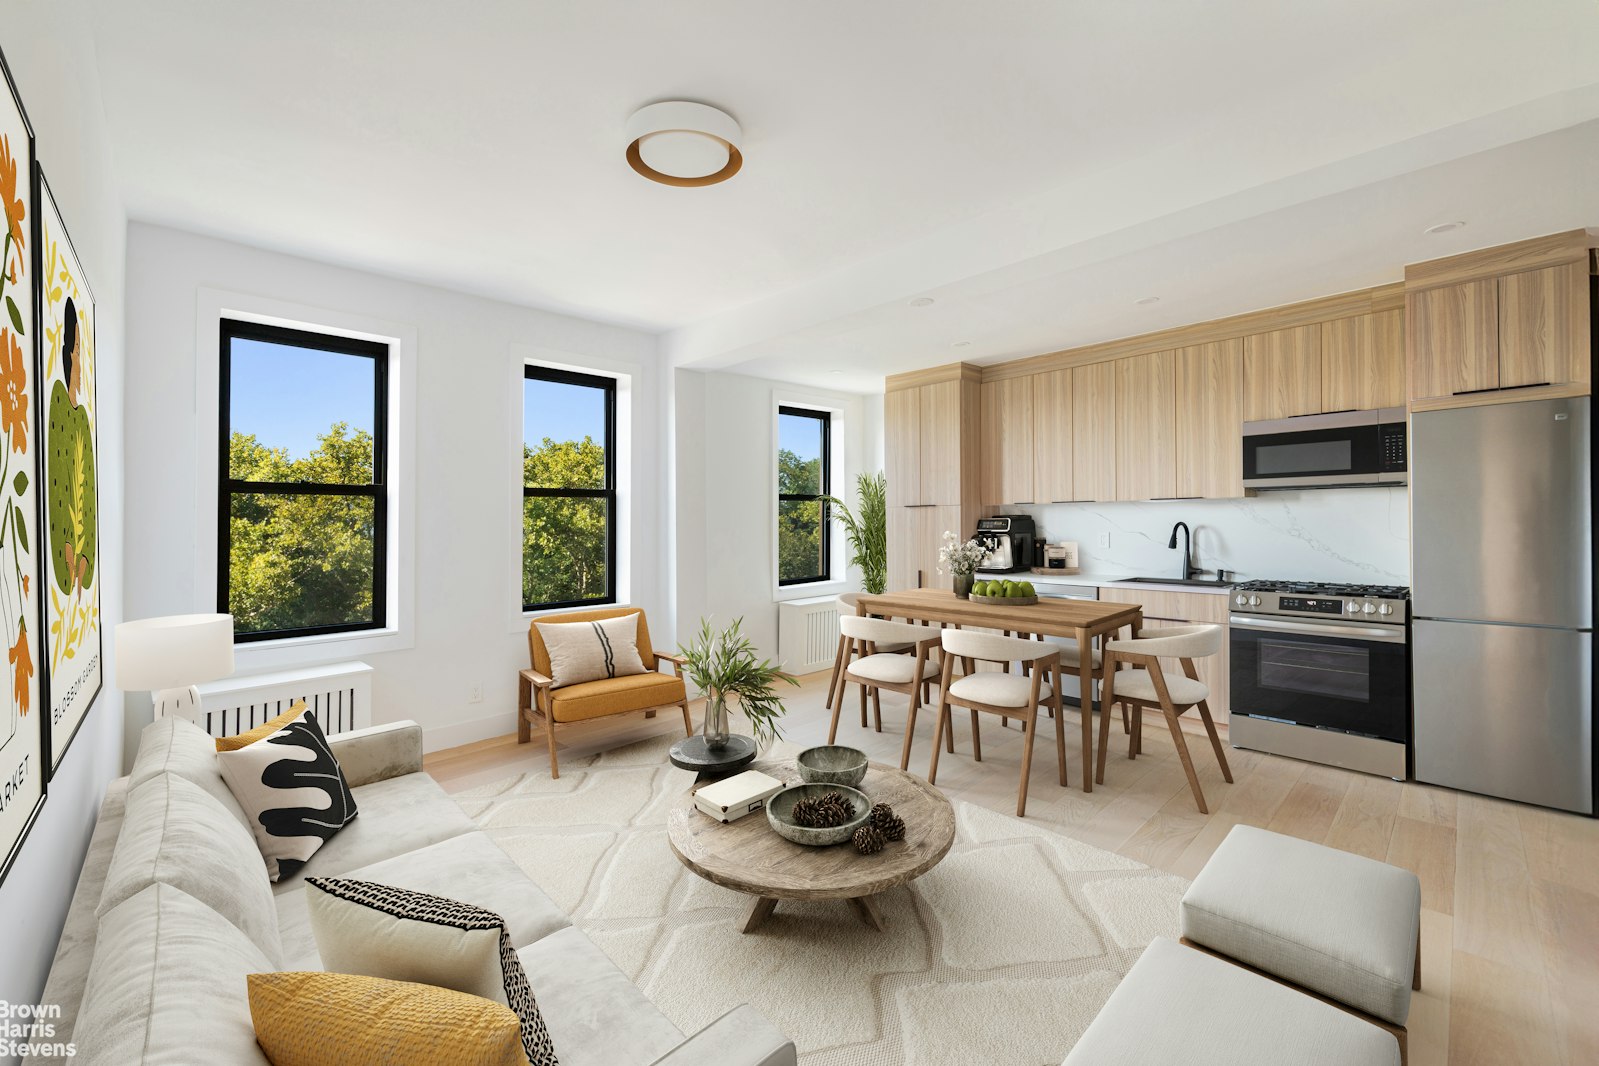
x: 70, y: 544
x: 23, y: 765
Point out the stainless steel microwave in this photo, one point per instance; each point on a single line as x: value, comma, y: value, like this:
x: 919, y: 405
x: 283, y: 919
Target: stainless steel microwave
x: 1326, y: 451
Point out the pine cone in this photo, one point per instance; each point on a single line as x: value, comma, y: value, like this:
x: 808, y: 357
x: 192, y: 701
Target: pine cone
x: 868, y: 840
x: 882, y: 814
x: 893, y: 828
x: 825, y: 812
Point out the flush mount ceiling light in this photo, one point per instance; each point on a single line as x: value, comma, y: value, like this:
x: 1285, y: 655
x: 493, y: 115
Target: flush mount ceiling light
x: 1146, y: 301
x: 922, y: 301
x: 1443, y: 227
x: 961, y: 344
x: 683, y: 144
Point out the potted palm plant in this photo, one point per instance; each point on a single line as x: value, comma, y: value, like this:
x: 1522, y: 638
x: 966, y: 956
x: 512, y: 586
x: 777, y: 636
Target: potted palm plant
x: 722, y: 665
x: 867, y: 532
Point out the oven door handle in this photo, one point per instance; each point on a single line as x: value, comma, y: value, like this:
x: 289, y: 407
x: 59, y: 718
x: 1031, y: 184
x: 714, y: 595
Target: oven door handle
x: 1383, y: 634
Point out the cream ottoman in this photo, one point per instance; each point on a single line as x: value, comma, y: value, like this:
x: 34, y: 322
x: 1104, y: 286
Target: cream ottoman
x: 1340, y: 925
x: 1178, y: 1005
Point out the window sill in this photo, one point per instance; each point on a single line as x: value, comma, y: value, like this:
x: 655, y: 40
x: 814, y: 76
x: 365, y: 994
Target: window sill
x: 299, y: 651
x: 527, y: 618
x: 783, y: 593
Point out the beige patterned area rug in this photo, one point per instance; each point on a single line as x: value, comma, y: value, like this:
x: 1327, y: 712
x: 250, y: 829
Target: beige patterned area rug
x: 1003, y: 953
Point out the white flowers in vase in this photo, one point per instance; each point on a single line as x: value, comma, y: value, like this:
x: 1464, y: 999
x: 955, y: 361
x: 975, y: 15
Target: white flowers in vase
x: 960, y: 560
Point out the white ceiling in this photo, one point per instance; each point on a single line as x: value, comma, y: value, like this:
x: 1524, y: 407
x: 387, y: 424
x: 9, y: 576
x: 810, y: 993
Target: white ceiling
x: 1034, y: 165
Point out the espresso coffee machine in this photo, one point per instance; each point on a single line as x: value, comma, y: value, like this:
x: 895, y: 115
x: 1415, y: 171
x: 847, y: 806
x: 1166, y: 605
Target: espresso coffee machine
x: 1009, y: 538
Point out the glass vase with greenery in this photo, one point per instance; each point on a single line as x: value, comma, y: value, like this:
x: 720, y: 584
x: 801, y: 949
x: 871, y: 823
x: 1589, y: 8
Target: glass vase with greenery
x: 867, y: 532
x: 722, y: 665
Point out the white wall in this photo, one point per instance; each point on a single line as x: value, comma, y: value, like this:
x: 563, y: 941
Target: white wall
x: 725, y: 520
x: 466, y: 477
x: 47, y: 45
x: 1353, y: 535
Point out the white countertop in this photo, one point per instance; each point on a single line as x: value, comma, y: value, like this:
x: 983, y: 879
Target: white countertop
x: 1117, y: 581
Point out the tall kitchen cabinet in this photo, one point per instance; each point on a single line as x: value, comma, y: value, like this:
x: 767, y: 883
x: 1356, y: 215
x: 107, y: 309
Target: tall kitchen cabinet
x: 1517, y: 317
x: 932, y: 460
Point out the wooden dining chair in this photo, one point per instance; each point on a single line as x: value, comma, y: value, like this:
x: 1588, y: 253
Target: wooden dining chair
x: 1146, y: 684
x: 1005, y: 695
x: 877, y: 671
x: 835, y: 685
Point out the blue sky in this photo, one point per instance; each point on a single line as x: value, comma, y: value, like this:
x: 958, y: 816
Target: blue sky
x: 799, y: 435
x: 288, y: 397
x: 561, y: 412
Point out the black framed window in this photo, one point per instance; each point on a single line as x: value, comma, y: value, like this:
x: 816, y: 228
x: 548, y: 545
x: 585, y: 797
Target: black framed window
x: 804, y: 467
x: 568, y: 489
x: 302, y: 500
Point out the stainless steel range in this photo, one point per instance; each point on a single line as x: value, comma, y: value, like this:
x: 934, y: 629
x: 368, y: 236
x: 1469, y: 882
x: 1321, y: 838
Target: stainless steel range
x: 1322, y: 672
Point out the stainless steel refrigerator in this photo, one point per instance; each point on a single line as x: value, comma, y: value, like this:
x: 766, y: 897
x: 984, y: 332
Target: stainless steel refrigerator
x: 1502, y: 601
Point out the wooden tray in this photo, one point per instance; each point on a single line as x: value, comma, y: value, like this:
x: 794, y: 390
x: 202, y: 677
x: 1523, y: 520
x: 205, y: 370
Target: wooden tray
x: 1004, y: 601
x: 1059, y: 571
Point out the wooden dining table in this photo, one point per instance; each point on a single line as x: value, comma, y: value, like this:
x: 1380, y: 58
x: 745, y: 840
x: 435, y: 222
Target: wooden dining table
x: 1084, y: 620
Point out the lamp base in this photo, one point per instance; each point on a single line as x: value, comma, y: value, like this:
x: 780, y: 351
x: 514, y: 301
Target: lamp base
x: 178, y: 702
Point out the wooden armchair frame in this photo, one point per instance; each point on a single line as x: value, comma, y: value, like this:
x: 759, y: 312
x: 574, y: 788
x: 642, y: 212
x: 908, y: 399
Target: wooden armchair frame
x: 534, y: 707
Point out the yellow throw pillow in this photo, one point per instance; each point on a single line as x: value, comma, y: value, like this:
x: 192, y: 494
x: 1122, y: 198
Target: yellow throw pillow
x: 335, y: 1019
x: 265, y: 729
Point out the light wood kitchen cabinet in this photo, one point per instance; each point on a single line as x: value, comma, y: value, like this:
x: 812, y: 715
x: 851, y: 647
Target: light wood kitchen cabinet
x: 1544, y: 326
x: 1453, y: 338
x: 1209, y: 420
x: 1094, y: 431
x: 914, y: 536
x: 1008, y: 442
x: 1282, y: 373
x: 902, y: 447
x: 1146, y: 444
x: 1052, y: 437
x: 1163, y: 608
x: 941, y: 429
x: 931, y: 438
x: 1363, y: 362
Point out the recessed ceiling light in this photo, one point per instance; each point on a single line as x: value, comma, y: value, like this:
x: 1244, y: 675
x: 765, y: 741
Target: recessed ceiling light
x: 836, y: 373
x: 683, y: 144
x: 1443, y: 227
x: 1146, y: 301
x: 921, y: 301
x: 961, y: 344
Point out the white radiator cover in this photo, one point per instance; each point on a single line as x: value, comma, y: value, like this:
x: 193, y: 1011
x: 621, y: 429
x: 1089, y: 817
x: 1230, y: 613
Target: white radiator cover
x: 340, y: 694
x: 807, y: 634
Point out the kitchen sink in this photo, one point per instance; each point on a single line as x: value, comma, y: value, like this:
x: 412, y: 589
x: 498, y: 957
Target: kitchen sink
x: 1199, y: 582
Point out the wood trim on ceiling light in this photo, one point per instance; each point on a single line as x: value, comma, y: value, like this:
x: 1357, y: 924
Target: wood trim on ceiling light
x: 735, y: 161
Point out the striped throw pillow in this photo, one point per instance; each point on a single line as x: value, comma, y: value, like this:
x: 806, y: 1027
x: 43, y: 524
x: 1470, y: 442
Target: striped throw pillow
x: 592, y: 651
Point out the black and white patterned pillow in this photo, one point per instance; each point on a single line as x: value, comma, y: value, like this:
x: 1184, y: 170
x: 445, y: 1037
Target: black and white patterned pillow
x: 293, y: 791
x: 593, y: 650
x: 401, y: 935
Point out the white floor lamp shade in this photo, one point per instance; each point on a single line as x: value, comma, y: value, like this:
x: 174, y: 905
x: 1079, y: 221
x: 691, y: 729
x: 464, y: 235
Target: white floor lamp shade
x: 170, y: 656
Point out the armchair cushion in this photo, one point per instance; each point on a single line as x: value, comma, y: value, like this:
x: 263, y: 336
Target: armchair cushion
x: 591, y: 651
x: 540, y: 655
x: 615, y: 695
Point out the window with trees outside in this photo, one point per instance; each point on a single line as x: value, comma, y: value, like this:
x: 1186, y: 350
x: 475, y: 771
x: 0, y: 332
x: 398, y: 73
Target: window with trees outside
x: 803, y: 471
x: 568, y: 489
x: 302, y: 503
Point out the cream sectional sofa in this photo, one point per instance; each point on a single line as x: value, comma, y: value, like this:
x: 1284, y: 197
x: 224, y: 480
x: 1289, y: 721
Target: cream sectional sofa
x: 151, y: 965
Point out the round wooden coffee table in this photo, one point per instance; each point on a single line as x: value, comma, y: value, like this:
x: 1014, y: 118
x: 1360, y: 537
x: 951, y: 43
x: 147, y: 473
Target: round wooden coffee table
x: 748, y: 856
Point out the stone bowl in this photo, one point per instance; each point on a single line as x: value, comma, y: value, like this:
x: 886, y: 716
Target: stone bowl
x: 780, y: 813
x: 832, y: 764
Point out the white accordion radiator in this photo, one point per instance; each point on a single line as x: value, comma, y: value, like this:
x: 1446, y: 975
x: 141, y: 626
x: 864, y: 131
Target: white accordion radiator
x: 807, y: 634
x: 340, y: 694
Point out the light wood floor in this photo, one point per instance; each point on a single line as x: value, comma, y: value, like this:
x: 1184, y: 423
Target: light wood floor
x: 1510, y: 894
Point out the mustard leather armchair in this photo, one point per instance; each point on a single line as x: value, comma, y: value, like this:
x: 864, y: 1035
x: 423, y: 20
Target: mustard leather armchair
x: 542, y: 704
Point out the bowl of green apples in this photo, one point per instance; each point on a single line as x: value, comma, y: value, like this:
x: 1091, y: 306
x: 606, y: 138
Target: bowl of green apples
x: 1004, y: 593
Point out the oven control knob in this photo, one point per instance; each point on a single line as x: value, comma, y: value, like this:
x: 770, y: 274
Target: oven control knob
x: 1352, y: 607
x: 1370, y: 608
x: 1386, y: 608
x: 1241, y: 600
x: 1254, y: 601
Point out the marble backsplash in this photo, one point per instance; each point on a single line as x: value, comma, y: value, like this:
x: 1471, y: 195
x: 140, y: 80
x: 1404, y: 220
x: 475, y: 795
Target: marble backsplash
x: 1354, y: 535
